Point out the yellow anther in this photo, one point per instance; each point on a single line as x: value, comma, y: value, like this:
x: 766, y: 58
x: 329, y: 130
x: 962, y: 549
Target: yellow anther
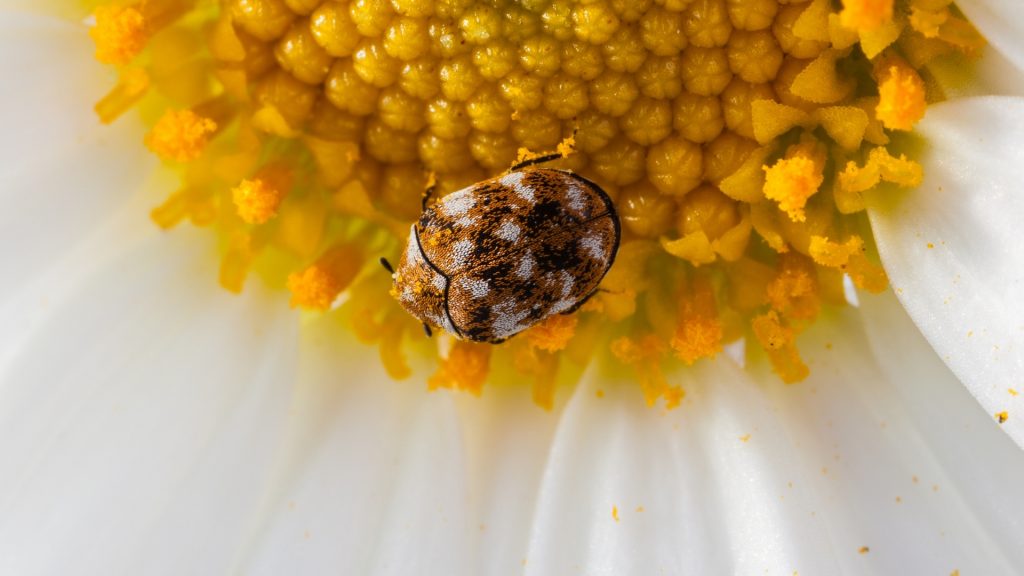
x: 318, y: 286
x: 465, y: 368
x: 258, y: 199
x: 778, y: 340
x: 645, y: 354
x: 791, y: 181
x: 865, y: 15
x: 698, y: 331
x: 553, y: 334
x: 120, y: 33
x: 880, y: 166
x: 180, y: 135
x: 901, y: 97
x: 794, y: 292
x: 833, y: 254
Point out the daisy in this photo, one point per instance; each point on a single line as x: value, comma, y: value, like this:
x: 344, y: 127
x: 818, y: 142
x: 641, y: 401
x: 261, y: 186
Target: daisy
x: 153, y: 423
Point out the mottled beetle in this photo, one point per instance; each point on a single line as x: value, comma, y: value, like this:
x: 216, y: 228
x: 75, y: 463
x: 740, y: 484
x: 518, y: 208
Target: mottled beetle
x: 491, y: 260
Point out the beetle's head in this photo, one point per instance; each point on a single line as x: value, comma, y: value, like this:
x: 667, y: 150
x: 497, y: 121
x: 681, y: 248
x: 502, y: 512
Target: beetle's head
x: 419, y: 287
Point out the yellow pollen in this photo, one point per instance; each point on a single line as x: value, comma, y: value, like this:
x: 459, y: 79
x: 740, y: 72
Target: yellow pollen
x: 255, y: 201
x: 779, y: 341
x: 465, y: 369
x: 790, y: 182
x: 180, y: 135
x: 120, y: 34
x: 1002, y: 416
x: 698, y: 332
x: 901, y: 98
x: 554, y: 333
x: 866, y: 15
x: 645, y: 355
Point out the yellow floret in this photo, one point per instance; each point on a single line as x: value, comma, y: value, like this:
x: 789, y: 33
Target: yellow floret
x: 866, y: 15
x: 256, y: 200
x: 698, y: 331
x: 645, y: 354
x: 465, y: 368
x: 180, y: 135
x: 790, y: 182
x: 901, y: 98
x: 318, y: 286
x: 553, y: 334
x: 780, y: 342
x: 120, y: 33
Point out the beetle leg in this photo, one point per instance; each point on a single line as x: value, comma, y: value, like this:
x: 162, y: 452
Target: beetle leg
x: 387, y: 265
x: 427, y: 330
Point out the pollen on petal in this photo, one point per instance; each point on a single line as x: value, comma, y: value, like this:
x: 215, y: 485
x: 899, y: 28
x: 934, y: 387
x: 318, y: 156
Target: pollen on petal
x: 866, y: 15
x: 180, y: 135
x: 120, y: 33
x: 901, y: 98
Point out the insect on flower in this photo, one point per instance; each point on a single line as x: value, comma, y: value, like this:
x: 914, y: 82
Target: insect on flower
x: 491, y: 260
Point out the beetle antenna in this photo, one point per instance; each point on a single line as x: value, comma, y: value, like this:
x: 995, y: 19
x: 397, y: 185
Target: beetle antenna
x: 534, y: 161
x: 426, y: 329
x: 387, y: 265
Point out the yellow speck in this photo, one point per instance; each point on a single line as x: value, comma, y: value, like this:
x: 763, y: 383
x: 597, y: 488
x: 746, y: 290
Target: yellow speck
x: 1002, y: 416
x: 930, y: 245
x: 745, y: 438
x: 615, y: 513
x: 863, y: 550
x: 639, y: 508
x: 180, y: 135
x: 599, y: 393
x: 1012, y: 391
x: 120, y: 34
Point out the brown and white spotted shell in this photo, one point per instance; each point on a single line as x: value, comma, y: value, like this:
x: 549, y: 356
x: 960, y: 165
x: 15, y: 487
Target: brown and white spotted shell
x: 493, y: 259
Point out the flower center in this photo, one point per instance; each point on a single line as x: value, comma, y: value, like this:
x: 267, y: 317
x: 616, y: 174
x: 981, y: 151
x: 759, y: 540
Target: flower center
x: 736, y: 137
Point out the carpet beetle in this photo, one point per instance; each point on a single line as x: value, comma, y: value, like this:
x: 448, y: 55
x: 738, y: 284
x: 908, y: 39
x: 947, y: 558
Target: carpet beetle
x: 491, y: 260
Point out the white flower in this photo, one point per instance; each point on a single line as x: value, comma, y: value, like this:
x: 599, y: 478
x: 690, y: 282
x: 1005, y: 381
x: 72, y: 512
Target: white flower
x: 151, y: 423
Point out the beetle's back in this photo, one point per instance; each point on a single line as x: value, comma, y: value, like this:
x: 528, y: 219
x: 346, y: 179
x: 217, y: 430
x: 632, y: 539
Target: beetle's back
x: 518, y: 248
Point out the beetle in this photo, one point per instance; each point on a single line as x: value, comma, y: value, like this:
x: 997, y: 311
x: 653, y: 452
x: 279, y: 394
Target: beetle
x: 490, y: 260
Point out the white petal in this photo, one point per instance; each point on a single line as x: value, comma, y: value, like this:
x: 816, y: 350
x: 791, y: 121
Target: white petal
x: 138, y: 419
x: 63, y: 177
x: 1002, y: 24
x: 382, y: 477
x: 953, y: 251
x: 818, y: 477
